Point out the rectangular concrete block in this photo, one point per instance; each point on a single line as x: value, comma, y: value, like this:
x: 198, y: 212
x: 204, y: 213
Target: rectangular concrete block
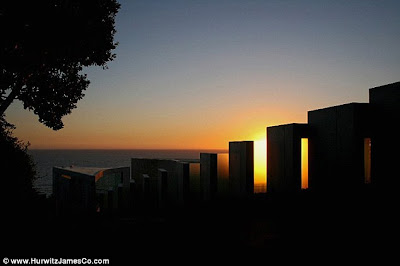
x: 149, y: 195
x: 385, y: 147
x: 120, y: 195
x: 111, y: 199
x: 194, y: 182
x: 171, y: 166
x: 208, y: 175
x: 103, y: 201
x: 162, y: 188
x: 241, y: 168
x: 336, y: 146
x: 140, y: 166
x: 183, y: 175
x: 275, y: 158
x: 126, y: 178
x: 74, y: 191
x: 83, y: 189
x: 132, y: 194
x: 284, y: 157
x: 146, y: 185
x: 177, y: 181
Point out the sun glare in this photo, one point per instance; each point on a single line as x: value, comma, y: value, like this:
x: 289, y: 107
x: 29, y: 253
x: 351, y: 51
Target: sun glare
x: 260, y: 157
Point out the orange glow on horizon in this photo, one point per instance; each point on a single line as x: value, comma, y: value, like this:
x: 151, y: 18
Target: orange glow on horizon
x: 153, y: 130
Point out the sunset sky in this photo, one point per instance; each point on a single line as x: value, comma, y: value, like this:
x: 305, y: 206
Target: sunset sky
x: 198, y: 74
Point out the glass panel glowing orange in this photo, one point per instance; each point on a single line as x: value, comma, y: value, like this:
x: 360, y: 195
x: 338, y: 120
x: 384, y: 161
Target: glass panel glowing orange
x: 367, y: 160
x: 304, y: 163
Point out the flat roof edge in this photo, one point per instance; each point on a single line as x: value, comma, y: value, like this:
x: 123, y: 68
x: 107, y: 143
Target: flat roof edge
x: 340, y: 105
x: 394, y: 84
x: 290, y: 124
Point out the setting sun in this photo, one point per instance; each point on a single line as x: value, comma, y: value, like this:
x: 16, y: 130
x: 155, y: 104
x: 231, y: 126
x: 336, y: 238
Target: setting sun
x: 260, y: 157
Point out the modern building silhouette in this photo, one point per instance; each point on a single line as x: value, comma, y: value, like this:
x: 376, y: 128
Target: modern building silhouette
x: 208, y: 175
x: 385, y: 103
x: 284, y: 143
x: 349, y: 145
x: 162, y: 187
x: 241, y: 168
x: 341, y: 147
x: 88, y: 189
x: 175, y: 173
x: 336, y: 146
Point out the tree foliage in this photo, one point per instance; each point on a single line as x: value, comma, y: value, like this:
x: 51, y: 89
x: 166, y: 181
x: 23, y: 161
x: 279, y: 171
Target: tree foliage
x: 44, y: 47
x: 18, y: 170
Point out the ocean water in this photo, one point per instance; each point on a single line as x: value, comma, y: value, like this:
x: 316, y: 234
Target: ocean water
x: 46, y: 159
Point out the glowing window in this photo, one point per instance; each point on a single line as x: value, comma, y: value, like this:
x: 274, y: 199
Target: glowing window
x: 367, y: 160
x: 304, y: 163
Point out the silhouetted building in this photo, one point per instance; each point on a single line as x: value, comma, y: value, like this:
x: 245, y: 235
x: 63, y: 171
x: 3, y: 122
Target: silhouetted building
x: 349, y: 146
x: 183, y: 174
x: 385, y: 103
x: 284, y: 157
x: 162, y: 188
x: 241, y: 168
x: 178, y: 179
x: 146, y: 195
x: 208, y: 175
x: 85, y: 189
x: 337, y: 146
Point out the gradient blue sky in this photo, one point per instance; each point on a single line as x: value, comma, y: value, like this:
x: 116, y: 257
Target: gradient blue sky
x: 197, y: 74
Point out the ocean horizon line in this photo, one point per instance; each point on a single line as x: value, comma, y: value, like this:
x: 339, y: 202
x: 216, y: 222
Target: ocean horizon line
x: 125, y: 149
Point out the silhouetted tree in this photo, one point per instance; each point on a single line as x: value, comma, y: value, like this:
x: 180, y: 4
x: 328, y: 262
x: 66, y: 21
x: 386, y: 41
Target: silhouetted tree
x: 18, y: 170
x: 45, y: 44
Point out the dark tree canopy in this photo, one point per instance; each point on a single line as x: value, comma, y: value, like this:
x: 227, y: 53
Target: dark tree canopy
x: 44, y: 46
x: 18, y: 168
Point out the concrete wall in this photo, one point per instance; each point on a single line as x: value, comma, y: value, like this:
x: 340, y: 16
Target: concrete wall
x: 146, y: 195
x: 74, y: 192
x: 284, y: 157
x: 336, y: 146
x: 183, y: 171
x: 118, y: 177
x: 162, y: 188
x: 143, y: 166
x: 61, y: 191
x: 79, y: 192
x: 178, y: 178
x: 194, y: 182
x: 385, y: 148
x: 241, y: 168
x: 208, y: 175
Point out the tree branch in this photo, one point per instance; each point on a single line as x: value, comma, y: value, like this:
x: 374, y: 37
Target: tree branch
x: 10, y: 98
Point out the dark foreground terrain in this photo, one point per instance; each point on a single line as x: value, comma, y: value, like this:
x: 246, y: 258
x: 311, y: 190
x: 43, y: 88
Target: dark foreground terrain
x: 361, y: 225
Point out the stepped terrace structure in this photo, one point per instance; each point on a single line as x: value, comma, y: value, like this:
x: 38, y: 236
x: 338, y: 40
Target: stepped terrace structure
x: 166, y: 177
x: 173, y: 182
x: 349, y: 145
x: 88, y: 189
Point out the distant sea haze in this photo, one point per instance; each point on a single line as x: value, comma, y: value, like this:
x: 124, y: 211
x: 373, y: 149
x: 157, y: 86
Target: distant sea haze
x: 46, y: 159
